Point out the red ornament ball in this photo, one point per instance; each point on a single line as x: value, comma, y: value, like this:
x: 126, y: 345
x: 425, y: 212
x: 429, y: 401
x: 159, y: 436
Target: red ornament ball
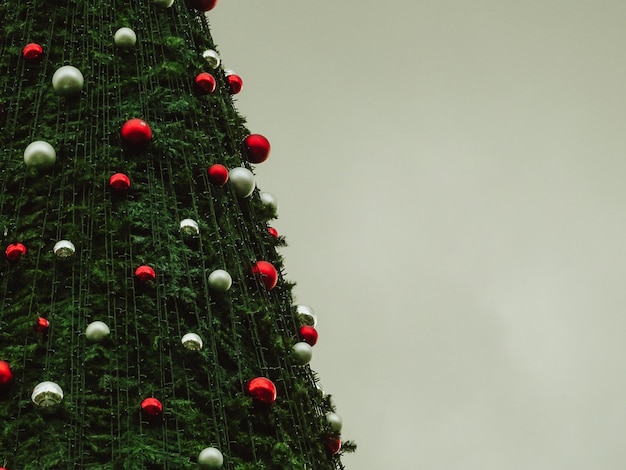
x: 151, y: 407
x: 266, y: 272
x: 203, y: 5
x: 262, y: 390
x: 273, y: 232
x: 308, y: 334
x: 205, y: 83
x: 257, y: 148
x: 218, y: 174
x: 6, y: 375
x: 119, y: 182
x: 333, y: 444
x: 32, y: 51
x: 42, y: 325
x: 15, y: 251
x: 235, y: 83
x: 145, y: 273
x: 136, y: 132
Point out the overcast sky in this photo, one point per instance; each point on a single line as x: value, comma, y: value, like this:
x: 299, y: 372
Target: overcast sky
x: 450, y: 177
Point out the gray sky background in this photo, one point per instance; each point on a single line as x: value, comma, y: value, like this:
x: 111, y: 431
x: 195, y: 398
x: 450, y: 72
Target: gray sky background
x: 450, y: 177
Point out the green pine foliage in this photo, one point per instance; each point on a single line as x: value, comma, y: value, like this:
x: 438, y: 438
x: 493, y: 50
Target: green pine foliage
x: 247, y: 331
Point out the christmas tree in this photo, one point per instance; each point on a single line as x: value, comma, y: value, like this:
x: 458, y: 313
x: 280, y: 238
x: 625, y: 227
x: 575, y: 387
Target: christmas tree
x: 145, y: 321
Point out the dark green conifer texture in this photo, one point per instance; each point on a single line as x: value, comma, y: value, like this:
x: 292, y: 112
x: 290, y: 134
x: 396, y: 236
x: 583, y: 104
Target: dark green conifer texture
x: 247, y: 332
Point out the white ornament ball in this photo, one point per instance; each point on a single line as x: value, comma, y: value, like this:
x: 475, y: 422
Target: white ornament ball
x: 192, y: 341
x: 270, y: 201
x: 68, y: 81
x: 64, y: 249
x: 302, y: 352
x: 97, y: 331
x: 334, y: 421
x: 210, y: 458
x: 306, y: 315
x: 242, y: 181
x: 164, y: 3
x: 39, y: 154
x: 46, y: 394
x: 212, y: 58
x: 220, y: 280
x: 125, y: 37
x: 189, y: 227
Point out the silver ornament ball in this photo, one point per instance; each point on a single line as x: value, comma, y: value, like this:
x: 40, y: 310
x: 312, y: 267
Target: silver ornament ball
x: 269, y: 201
x: 192, y: 342
x: 39, y: 154
x: 306, y: 316
x: 212, y: 58
x: 334, y: 421
x: 46, y: 394
x: 164, y: 3
x: 97, y: 331
x: 242, y: 181
x: 210, y: 458
x: 302, y: 353
x: 125, y: 37
x: 220, y: 280
x: 64, y: 249
x: 68, y: 81
x: 189, y: 227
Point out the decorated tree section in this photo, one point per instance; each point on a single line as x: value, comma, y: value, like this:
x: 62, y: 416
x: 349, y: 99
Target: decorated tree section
x: 145, y: 322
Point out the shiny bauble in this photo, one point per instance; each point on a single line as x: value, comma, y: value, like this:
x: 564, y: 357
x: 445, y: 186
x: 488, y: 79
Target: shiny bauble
x: 266, y: 273
x: 6, y: 375
x: 42, y: 325
x: 257, y: 148
x: 189, y: 227
x: 119, y: 182
x: 302, y: 353
x: 136, y: 132
x: 203, y: 5
x: 164, y: 3
x: 210, y: 458
x: 151, y: 408
x: 218, y: 174
x: 125, y: 38
x: 39, y: 154
x: 64, y: 249
x: 262, y: 390
x: 308, y: 334
x: 212, y: 58
x: 333, y: 444
x: 15, y: 251
x: 306, y: 315
x: 68, y: 81
x: 32, y: 51
x: 205, y: 83
x: 273, y: 232
x: 47, y: 394
x: 269, y: 201
x: 145, y: 273
x: 97, y: 331
x: 335, y: 423
x: 192, y: 341
x: 220, y: 280
x: 235, y: 83
x: 242, y: 181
